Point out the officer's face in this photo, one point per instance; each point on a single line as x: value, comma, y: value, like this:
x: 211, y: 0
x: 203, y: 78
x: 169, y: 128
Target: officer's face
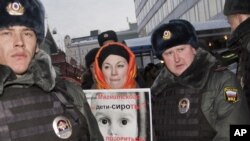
x: 17, y: 48
x: 115, y: 70
x: 177, y: 59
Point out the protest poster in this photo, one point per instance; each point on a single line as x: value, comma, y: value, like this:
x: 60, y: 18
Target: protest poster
x: 122, y: 114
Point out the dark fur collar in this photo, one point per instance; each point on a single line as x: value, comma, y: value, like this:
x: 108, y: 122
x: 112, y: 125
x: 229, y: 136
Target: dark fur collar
x: 194, y: 77
x: 40, y: 73
x: 239, y: 32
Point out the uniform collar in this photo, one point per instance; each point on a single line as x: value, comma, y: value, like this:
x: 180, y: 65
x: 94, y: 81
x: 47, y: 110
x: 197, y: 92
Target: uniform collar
x: 40, y: 73
x: 239, y: 32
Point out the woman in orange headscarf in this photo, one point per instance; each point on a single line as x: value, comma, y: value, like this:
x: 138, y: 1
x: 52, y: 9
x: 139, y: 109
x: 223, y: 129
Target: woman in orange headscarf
x: 115, y: 67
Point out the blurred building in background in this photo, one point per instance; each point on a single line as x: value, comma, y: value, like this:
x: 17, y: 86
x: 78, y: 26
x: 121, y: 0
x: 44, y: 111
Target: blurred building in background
x: 65, y: 69
x: 77, y: 48
x: 151, y: 13
x: 206, y: 16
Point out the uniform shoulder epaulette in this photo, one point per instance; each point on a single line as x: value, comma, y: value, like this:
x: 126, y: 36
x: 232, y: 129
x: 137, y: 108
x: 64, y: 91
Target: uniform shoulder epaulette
x: 219, y: 68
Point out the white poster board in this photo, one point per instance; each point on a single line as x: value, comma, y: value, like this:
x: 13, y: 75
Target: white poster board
x: 122, y: 114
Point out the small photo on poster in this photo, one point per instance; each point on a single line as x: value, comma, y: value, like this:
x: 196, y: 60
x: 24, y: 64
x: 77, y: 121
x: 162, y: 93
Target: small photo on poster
x: 122, y: 114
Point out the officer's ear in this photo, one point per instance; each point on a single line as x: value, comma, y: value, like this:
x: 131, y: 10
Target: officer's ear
x: 37, y: 48
x: 242, y: 17
x: 194, y: 51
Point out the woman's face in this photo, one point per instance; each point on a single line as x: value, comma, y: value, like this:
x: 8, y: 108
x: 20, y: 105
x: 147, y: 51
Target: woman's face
x: 115, y: 121
x: 115, y: 70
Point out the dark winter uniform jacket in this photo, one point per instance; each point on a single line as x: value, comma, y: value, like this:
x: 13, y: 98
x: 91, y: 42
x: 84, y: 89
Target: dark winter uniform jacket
x: 240, y: 41
x: 198, y: 105
x: 34, y: 108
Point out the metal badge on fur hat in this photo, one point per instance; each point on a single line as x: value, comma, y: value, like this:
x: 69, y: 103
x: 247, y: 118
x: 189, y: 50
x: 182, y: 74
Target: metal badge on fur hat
x: 167, y: 35
x: 105, y: 35
x: 176, y: 32
x: 236, y: 7
x: 15, y: 9
x: 29, y: 13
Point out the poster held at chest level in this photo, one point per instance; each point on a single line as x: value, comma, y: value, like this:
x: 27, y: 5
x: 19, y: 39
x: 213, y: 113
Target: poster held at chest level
x: 122, y: 114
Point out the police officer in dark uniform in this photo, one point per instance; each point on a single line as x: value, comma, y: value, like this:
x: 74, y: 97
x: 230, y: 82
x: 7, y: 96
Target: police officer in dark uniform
x: 192, y: 99
x: 238, y: 15
x: 33, y: 107
x: 106, y: 37
x: 88, y: 81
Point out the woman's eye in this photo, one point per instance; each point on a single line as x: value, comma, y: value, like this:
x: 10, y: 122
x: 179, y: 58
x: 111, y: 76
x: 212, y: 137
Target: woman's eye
x: 120, y: 66
x: 106, y: 67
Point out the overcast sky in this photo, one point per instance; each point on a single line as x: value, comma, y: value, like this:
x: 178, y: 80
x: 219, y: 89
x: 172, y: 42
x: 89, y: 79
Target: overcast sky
x: 77, y: 18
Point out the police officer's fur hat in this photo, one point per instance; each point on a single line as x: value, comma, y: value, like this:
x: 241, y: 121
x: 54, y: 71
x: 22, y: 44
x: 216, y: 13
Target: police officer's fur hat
x: 29, y: 13
x: 106, y: 36
x: 174, y: 33
x: 236, y: 7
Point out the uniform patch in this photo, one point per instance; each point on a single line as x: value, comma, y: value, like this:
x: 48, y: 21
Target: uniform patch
x: 231, y: 94
x: 184, y: 105
x: 62, y: 127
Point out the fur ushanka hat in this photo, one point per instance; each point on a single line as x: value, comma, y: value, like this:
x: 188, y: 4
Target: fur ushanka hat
x: 106, y: 36
x: 29, y: 13
x: 176, y: 32
x: 90, y: 57
x: 236, y: 7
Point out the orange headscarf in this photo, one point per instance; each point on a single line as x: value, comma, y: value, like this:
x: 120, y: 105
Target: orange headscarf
x: 130, y: 83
